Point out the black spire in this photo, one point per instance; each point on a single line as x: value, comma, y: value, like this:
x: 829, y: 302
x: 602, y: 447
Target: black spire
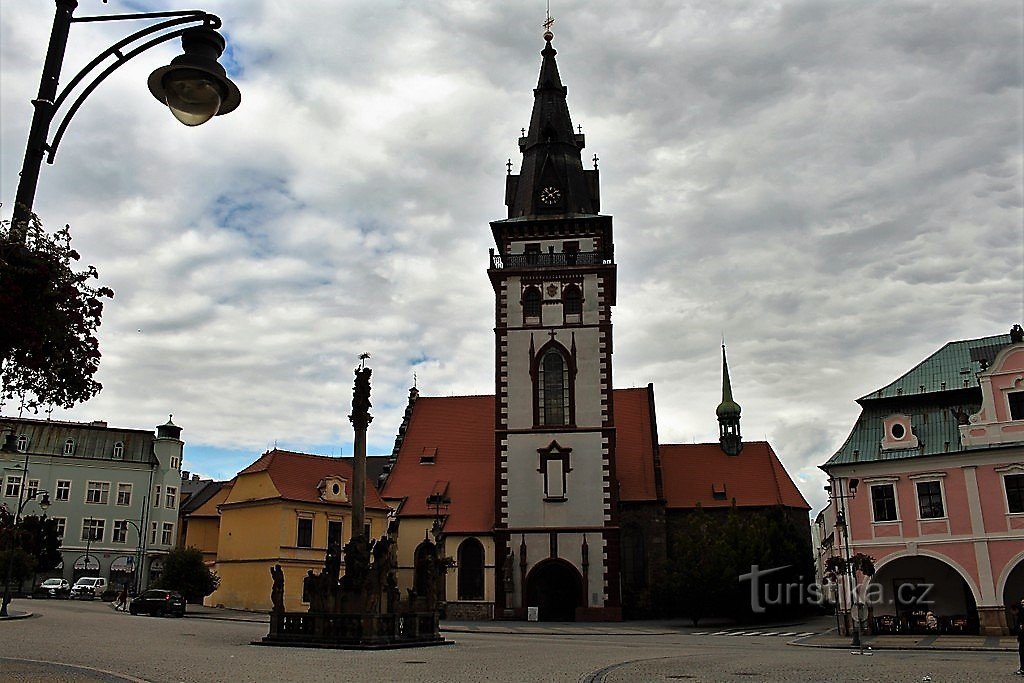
x: 552, y: 179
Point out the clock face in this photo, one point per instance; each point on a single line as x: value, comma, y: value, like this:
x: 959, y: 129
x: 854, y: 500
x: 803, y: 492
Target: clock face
x: 550, y: 195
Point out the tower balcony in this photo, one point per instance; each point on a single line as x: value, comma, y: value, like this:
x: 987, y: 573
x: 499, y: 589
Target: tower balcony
x: 549, y: 259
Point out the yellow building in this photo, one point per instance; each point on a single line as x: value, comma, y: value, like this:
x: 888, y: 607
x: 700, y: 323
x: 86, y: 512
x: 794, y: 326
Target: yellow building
x: 285, y: 509
x: 200, y: 520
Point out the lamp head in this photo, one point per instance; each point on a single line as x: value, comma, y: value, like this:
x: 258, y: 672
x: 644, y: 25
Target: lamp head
x: 853, y: 486
x: 44, y: 502
x: 194, y: 85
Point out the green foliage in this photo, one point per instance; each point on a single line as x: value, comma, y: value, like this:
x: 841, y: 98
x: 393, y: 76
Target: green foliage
x: 50, y: 312
x: 185, y: 572
x: 39, y: 539
x: 709, y: 551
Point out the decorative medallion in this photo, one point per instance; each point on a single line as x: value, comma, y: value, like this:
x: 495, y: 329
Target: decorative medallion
x: 552, y: 291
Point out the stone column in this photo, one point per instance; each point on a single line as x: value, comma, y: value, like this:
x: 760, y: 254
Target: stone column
x: 360, y: 419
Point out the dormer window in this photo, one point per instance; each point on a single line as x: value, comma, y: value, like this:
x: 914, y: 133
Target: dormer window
x: 118, y: 451
x: 69, y: 447
x: 22, y: 443
x: 333, y: 489
x: 428, y: 456
x: 897, y: 433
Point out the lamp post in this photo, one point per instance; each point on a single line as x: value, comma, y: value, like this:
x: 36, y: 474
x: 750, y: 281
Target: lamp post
x: 23, y: 500
x: 137, y: 561
x: 440, y: 503
x: 194, y: 86
x: 836, y: 489
x: 88, y: 543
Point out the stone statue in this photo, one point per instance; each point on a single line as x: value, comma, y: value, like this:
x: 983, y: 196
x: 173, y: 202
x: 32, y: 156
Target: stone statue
x: 308, y: 586
x: 360, y: 416
x: 332, y: 561
x: 277, y: 592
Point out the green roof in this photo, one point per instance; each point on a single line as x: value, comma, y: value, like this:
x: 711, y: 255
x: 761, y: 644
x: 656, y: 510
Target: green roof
x: 948, y: 368
x: 936, y: 411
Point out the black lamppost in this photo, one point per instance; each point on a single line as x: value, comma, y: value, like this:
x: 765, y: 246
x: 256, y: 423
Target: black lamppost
x: 841, y: 525
x: 137, y: 561
x: 90, y: 534
x: 194, y: 86
x: 440, y: 503
x: 23, y: 500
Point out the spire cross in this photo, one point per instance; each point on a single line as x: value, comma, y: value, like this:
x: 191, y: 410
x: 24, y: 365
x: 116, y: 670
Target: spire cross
x: 548, y: 20
x: 523, y: 131
x: 595, y: 162
x: 579, y: 129
x: 509, y: 166
x: 551, y: 333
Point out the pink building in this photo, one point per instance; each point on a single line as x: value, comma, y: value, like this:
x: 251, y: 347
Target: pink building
x: 930, y: 484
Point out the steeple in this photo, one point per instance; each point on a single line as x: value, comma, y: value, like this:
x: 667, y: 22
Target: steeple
x: 552, y: 180
x: 728, y: 415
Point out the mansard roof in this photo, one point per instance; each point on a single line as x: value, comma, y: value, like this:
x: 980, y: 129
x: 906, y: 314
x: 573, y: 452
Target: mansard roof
x: 938, y: 395
x: 701, y: 474
x: 92, y: 440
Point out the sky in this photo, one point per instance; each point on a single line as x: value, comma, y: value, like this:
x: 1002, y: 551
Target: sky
x: 834, y: 188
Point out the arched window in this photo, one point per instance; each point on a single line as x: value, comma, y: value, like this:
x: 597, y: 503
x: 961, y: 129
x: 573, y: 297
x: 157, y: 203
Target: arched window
x: 471, y: 570
x: 22, y: 443
x: 118, y: 450
x: 572, y: 301
x: 69, y: 447
x: 531, y: 303
x: 553, y: 389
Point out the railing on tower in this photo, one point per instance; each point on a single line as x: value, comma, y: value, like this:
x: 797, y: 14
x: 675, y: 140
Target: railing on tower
x: 541, y: 259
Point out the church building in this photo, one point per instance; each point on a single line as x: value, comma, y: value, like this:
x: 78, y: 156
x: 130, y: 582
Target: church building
x: 550, y: 497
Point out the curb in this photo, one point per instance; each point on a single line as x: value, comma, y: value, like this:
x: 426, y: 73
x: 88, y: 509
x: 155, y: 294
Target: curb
x: 12, y: 615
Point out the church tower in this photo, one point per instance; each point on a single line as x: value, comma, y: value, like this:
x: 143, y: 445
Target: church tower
x: 553, y: 274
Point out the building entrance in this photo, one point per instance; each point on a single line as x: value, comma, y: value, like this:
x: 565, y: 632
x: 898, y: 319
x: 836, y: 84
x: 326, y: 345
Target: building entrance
x: 555, y: 587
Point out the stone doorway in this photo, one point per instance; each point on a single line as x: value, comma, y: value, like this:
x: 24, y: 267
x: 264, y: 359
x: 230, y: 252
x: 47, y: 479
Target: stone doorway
x: 556, y: 588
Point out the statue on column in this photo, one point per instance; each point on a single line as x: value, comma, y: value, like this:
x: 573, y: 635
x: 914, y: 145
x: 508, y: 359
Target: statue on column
x: 277, y: 591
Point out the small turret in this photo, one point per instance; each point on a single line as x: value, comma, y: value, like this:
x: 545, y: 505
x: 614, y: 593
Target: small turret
x: 168, y: 430
x: 728, y: 412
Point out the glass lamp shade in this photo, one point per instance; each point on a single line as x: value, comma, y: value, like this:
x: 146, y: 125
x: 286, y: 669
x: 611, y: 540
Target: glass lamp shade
x: 193, y: 96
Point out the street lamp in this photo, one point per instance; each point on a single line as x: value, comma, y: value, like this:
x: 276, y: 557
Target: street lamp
x: 88, y: 543
x: 838, y: 493
x: 194, y: 86
x: 440, y: 503
x: 136, y: 564
x: 23, y: 500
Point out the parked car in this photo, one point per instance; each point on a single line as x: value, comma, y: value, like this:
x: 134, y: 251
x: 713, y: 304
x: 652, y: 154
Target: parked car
x: 89, y: 587
x: 53, y: 588
x: 159, y: 602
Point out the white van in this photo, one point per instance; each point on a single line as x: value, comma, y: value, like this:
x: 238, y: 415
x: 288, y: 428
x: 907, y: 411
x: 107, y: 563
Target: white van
x: 89, y: 587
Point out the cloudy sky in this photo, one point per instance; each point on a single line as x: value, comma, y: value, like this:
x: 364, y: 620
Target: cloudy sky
x: 834, y: 187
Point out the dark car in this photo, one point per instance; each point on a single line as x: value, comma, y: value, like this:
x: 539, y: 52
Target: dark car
x: 158, y: 602
x: 53, y: 588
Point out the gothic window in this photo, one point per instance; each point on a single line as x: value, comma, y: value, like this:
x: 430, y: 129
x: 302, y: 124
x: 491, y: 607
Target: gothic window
x: 531, y: 305
x: 553, y: 389
x: 471, y: 570
x: 572, y: 303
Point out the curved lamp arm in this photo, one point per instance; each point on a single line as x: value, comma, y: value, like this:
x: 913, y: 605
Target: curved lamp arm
x: 193, y: 16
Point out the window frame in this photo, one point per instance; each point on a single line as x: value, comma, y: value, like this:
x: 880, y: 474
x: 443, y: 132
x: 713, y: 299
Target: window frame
x: 12, y: 486
x: 895, y: 502
x: 170, y: 497
x: 918, y: 483
x: 22, y: 443
x: 59, y: 489
x: 304, y: 525
x: 61, y: 528
x: 69, y: 446
x: 167, y: 534
x: 127, y: 491
x: 554, y: 467
x: 118, y: 452
x: 568, y: 389
x: 31, y: 489
x: 104, y: 493
x: 119, y: 528
x: 572, y: 316
x: 98, y: 523
x: 533, y: 305
x: 1015, y: 404
x: 1019, y: 479
x: 471, y: 580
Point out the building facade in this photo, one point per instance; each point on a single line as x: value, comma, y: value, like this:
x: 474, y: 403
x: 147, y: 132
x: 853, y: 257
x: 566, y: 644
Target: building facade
x: 113, y: 493
x: 930, y: 484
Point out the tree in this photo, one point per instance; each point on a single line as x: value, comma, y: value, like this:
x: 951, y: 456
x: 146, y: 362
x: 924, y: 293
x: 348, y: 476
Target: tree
x: 50, y: 312
x: 185, y: 572
x: 40, y: 540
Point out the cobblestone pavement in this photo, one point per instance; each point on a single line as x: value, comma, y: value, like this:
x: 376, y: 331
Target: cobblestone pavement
x: 67, y: 634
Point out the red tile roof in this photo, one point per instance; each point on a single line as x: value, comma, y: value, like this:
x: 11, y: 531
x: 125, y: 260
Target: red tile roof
x: 461, y: 429
x: 755, y: 478
x: 634, y: 444
x: 458, y: 432
x: 296, y: 475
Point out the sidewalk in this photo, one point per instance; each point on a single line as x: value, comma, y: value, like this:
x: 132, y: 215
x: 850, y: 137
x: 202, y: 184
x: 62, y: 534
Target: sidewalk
x: 829, y: 639
x: 833, y: 640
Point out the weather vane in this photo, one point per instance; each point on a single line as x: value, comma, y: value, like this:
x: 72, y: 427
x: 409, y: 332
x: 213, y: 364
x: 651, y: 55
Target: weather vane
x: 362, y: 360
x: 549, y: 21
